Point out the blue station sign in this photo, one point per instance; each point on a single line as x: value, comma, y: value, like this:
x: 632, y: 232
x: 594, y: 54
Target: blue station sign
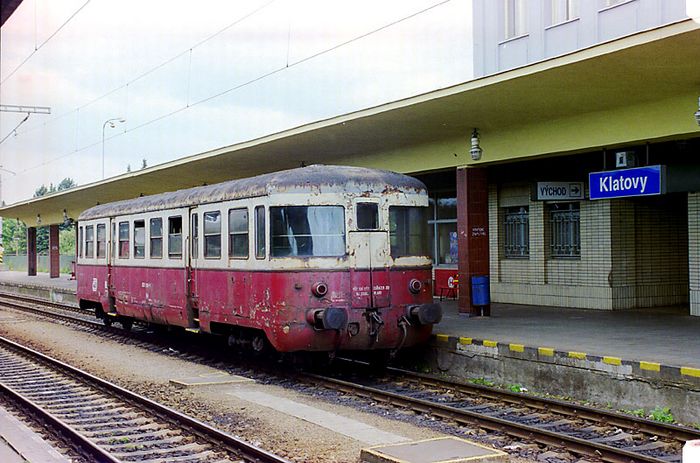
x: 626, y: 183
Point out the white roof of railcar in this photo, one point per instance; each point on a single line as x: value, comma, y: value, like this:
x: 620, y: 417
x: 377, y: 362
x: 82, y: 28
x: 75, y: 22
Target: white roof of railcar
x: 311, y: 179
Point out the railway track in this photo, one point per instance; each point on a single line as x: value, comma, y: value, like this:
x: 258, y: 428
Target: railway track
x: 108, y: 423
x: 563, y: 427
x: 581, y: 431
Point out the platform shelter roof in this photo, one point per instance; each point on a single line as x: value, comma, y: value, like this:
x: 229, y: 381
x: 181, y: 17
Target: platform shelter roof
x: 643, y: 87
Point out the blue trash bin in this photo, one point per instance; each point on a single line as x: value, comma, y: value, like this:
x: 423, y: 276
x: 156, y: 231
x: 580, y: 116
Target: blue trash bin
x: 480, y: 291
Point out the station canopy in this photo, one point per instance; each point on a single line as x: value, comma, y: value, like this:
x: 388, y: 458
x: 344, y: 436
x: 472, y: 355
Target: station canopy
x: 635, y: 71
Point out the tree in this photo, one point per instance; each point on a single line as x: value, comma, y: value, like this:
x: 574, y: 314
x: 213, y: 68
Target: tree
x: 42, y: 233
x: 14, y: 236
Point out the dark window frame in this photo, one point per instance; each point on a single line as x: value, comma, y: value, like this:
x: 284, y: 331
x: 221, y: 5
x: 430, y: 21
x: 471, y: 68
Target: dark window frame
x: 103, y: 241
x: 210, y: 238
x: 90, y: 243
x: 124, y: 243
x: 260, y: 245
x: 155, y: 240
x: 516, y: 232
x: 171, y: 236
x: 233, y: 235
x: 565, y: 231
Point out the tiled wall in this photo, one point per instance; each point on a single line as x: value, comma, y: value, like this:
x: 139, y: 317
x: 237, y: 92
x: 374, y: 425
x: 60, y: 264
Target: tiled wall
x: 694, y: 251
x: 633, y: 254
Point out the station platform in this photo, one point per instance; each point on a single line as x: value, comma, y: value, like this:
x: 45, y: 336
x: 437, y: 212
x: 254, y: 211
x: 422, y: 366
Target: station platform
x: 19, y: 444
x: 647, y: 358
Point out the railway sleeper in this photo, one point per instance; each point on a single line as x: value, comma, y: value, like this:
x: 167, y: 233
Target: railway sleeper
x: 133, y: 424
x: 150, y: 429
x: 101, y: 405
x: 101, y: 412
x: 204, y: 456
x: 192, y: 450
x: 125, y: 418
x: 144, y: 444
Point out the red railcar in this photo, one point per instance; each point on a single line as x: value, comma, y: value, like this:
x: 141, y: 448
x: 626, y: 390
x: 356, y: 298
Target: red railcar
x: 320, y: 258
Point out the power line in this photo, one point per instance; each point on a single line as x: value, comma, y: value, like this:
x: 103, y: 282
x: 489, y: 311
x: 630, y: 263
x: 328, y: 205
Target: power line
x: 155, y: 68
x: 36, y: 49
x: 247, y: 83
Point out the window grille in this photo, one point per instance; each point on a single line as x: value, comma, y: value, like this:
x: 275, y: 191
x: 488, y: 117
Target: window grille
x: 517, y: 232
x: 565, y: 230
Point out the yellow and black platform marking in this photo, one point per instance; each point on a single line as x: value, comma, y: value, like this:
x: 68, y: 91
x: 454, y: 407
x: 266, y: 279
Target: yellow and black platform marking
x: 582, y: 359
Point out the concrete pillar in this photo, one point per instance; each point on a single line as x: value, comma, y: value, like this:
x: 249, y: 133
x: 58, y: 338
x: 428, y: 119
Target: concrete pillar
x: 54, y: 257
x: 31, y: 251
x: 473, y: 234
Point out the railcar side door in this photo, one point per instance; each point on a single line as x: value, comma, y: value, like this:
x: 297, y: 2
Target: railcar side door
x: 369, y: 251
x: 193, y: 256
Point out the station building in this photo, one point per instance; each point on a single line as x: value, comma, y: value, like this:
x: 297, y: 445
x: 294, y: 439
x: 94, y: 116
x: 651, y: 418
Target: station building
x: 566, y: 171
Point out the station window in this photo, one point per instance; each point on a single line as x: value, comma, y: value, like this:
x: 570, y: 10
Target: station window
x: 260, y: 232
x: 443, y: 228
x: 156, y: 233
x: 101, y: 241
x: 139, y: 239
x: 562, y: 11
x: 515, y: 17
x: 90, y: 242
x: 408, y: 231
x: 565, y: 230
x: 175, y: 237
x: 516, y: 236
x: 238, y: 233
x: 367, y: 216
x: 123, y: 240
x: 195, y: 236
x: 212, y: 235
x: 80, y: 242
x: 305, y: 231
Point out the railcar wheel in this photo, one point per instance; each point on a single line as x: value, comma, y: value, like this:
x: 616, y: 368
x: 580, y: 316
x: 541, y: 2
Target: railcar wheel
x: 258, y: 344
x: 127, y: 323
x: 106, y: 320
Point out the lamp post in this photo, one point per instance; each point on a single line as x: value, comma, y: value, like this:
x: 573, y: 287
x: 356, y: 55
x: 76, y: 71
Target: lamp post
x: 112, y: 123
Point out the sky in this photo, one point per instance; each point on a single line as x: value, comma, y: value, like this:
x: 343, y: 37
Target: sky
x: 189, y: 79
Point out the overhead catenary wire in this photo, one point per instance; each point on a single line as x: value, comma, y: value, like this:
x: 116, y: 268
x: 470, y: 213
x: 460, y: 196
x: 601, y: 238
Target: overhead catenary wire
x: 268, y: 74
x: 153, y: 69
x: 37, y: 48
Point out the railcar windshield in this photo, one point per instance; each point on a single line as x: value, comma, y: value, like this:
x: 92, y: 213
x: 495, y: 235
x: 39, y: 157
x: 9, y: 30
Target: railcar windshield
x: 305, y: 231
x: 408, y: 231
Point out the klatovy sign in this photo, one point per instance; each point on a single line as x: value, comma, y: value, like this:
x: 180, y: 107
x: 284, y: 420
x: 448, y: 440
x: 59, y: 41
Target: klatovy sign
x: 625, y: 183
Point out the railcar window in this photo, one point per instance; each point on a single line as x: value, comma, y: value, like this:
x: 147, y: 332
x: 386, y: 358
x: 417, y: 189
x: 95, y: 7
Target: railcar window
x: 175, y: 237
x: 408, y: 231
x: 123, y: 240
x: 238, y: 233
x: 101, y: 241
x: 114, y: 240
x: 90, y: 242
x: 306, y: 231
x: 156, y: 232
x: 212, y: 235
x: 139, y: 239
x: 195, y: 236
x: 80, y: 242
x: 260, y: 232
x: 367, y: 216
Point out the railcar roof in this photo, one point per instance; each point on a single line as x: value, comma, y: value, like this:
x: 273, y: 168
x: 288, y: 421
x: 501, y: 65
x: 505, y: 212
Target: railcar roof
x: 314, y: 179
